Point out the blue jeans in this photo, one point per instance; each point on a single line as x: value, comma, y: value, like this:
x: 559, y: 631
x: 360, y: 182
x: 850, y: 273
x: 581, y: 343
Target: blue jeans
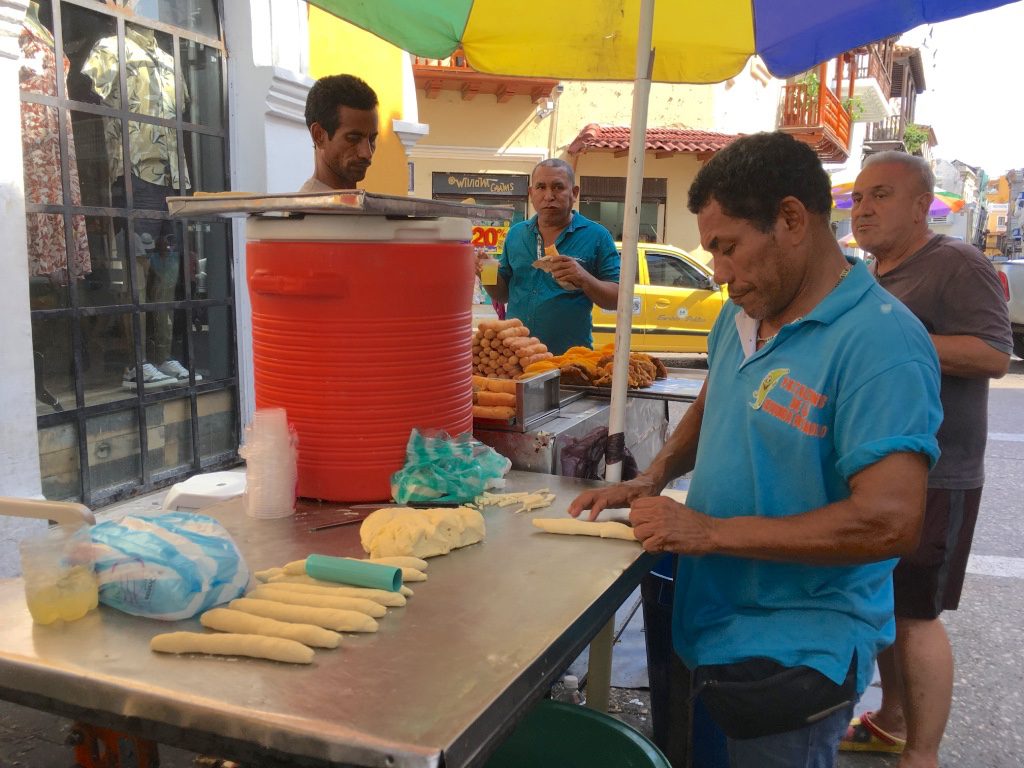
x: 815, y: 746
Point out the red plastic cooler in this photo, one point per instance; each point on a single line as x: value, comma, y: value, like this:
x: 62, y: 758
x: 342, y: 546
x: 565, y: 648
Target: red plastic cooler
x: 361, y: 330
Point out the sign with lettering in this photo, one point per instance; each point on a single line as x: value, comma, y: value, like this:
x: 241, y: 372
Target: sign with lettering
x: 480, y: 184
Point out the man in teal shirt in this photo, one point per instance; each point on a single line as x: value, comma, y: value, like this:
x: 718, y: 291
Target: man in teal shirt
x: 810, y: 445
x: 556, y: 306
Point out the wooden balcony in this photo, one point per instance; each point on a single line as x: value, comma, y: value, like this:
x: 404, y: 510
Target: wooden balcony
x: 875, y: 61
x: 820, y: 120
x: 454, y: 74
x: 889, y: 131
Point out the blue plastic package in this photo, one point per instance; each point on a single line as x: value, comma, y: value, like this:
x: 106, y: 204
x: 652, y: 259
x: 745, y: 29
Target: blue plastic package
x: 447, y: 469
x: 172, y: 566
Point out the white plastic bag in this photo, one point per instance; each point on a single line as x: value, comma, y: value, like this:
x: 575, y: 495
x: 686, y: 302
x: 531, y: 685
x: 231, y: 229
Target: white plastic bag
x: 169, y: 567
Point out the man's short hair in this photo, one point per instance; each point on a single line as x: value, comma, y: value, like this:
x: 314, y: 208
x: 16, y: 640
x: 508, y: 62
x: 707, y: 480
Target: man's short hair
x: 918, y: 164
x: 333, y: 91
x: 751, y: 176
x: 556, y: 162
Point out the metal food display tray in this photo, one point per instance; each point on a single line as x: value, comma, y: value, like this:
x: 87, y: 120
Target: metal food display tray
x: 350, y: 201
x: 677, y: 390
x: 538, y: 399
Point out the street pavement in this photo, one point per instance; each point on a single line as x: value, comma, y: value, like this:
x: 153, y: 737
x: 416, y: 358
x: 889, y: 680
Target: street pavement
x: 987, y: 631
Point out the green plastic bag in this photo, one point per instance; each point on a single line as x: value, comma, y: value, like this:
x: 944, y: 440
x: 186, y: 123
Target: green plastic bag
x: 442, y: 468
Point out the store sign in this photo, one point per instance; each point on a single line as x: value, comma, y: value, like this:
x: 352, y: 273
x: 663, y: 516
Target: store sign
x: 480, y: 184
x: 489, y: 236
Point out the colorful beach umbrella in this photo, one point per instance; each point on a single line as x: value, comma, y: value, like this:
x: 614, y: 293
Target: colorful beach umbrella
x: 677, y: 41
x: 696, y: 41
x: 943, y: 203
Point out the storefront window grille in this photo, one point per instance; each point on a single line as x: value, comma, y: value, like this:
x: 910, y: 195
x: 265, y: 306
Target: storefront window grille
x: 124, y: 105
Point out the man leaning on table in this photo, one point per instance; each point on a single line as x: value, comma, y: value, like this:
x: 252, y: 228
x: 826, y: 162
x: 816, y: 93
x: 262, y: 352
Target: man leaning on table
x: 810, y: 446
x: 341, y: 114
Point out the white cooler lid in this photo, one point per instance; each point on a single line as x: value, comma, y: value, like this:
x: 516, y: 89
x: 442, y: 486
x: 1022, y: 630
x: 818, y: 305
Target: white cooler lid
x: 358, y: 228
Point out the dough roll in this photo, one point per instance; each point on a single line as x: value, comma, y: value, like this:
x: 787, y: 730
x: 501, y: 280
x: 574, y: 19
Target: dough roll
x: 268, y: 574
x: 227, y: 620
x: 382, y: 596
x: 568, y: 525
x: 358, y: 604
x: 402, y: 562
x: 255, y: 646
x: 329, y: 618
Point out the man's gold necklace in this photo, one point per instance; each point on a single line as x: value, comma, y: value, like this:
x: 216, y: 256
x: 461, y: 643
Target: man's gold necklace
x: 842, y: 276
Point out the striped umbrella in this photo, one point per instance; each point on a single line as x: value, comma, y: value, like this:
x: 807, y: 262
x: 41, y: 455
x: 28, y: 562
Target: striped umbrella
x: 943, y: 202
x: 679, y: 41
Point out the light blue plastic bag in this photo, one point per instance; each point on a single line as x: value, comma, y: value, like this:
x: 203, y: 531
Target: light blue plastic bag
x: 443, y: 468
x: 169, y: 567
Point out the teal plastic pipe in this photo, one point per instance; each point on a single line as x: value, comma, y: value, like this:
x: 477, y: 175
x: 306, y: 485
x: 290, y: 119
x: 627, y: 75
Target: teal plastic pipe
x: 360, y: 573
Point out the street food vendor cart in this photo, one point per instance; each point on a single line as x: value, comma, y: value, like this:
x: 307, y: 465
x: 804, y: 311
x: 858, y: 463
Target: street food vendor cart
x: 442, y: 683
x: 444, y: 680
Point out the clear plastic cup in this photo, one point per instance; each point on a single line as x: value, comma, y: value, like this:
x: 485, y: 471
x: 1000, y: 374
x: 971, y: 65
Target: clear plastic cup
x: 60, y: 583
x: 488, y: 271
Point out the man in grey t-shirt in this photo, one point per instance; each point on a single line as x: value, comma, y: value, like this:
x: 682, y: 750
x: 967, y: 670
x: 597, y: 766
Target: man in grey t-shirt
x: 954, y: 291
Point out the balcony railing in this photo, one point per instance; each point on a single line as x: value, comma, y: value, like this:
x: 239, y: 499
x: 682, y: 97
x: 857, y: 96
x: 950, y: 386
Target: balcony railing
x: 454, y: 63
x: 890, y: 129
x: 455, y: 74
x: 824, y: 110
x: 875, y: 61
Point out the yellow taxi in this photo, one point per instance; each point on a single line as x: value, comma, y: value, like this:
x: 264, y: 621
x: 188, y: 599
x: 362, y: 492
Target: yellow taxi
x: 675, y: 303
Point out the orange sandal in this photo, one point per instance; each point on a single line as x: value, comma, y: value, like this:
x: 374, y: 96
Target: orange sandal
x: 864, y: 735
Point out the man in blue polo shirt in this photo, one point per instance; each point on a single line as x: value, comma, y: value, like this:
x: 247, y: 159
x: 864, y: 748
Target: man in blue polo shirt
x: 556, y: 305
x: 810, y: 445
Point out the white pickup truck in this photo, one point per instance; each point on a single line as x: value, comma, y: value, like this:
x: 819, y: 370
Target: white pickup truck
x: 1011, y: 275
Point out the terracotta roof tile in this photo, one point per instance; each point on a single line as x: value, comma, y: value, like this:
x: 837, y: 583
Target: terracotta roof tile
x: 682, y: 140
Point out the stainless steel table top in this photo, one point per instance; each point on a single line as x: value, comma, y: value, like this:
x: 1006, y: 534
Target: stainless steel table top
x: 349, y: 201
x: 441, y: 683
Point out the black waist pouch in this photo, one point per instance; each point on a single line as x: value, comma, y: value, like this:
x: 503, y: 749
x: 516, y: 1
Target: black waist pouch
x: 760, y: 697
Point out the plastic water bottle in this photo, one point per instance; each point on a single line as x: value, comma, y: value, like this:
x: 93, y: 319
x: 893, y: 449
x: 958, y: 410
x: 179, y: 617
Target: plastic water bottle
x: 571, y: 693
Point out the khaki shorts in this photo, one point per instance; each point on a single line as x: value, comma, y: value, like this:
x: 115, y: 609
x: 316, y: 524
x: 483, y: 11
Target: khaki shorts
x: 930, y: 580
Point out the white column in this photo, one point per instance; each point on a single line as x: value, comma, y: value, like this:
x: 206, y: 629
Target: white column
x: 19, y: 445
x: 270, y: 146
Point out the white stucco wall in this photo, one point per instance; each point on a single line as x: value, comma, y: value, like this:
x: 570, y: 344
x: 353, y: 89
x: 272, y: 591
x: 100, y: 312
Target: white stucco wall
x: 19, y: 453
x: 268, y: 55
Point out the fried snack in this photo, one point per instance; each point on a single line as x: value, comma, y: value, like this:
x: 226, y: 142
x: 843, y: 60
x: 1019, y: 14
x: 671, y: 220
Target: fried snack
x: 498, y: 412
x: 574, y: 373
x: 546, y: 264
x: 494, y: 398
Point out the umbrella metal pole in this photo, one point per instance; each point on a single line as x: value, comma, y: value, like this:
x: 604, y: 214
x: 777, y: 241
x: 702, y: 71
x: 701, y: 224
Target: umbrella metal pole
x: 599, y: 667
x: 630, y: 231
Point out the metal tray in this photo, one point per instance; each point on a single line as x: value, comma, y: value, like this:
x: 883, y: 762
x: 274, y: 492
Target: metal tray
x: 351, y: 201
x: 677, y: 390
x: 537, y: 400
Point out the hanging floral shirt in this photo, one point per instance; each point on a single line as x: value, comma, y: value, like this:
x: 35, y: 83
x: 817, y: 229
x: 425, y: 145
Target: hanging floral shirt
x: 151, y: 91
x: 40, y: 143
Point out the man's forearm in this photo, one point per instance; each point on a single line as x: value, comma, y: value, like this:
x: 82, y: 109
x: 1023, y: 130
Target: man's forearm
x: 602, y: 292
x: 969, y: 357
x: 498, y: 291
x: 881, y: 519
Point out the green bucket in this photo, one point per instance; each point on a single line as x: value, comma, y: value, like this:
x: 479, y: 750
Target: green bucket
x: 570, y: 736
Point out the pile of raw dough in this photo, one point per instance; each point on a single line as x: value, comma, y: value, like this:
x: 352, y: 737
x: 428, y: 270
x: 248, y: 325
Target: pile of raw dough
x: 395, y: 531
x: 288, y: 615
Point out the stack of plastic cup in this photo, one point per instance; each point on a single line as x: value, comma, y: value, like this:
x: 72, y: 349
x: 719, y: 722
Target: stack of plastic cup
x: 271, y: 455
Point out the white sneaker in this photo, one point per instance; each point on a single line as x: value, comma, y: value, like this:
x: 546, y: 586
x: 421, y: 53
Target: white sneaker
x: 151, y: 378
x: 176, y: 370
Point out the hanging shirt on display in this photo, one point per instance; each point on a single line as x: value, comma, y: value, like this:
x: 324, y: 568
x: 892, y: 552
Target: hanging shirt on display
x: 40, y: 141
x: 151, y: 90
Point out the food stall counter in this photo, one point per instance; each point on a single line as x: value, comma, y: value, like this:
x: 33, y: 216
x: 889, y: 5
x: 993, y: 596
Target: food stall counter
x: 444, y: 680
